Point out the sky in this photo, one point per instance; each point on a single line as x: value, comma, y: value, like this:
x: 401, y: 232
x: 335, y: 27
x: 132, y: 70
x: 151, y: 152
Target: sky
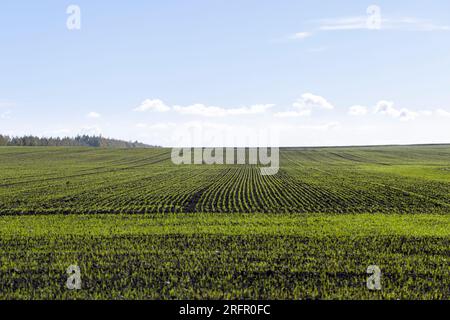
x: 230, y: 72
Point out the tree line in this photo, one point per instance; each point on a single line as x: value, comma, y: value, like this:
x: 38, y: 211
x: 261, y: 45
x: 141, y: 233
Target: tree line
x: 78, y: 141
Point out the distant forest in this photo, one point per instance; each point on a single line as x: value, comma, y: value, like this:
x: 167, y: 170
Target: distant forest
x: 78, y: 141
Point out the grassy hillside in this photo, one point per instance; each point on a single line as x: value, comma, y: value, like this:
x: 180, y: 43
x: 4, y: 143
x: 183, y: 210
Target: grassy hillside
x: 140, y: 227
x: 230, y: 256
x: 329, y: 180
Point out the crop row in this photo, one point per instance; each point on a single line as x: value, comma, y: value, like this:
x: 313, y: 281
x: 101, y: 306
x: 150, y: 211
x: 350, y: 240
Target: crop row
x: 220, y: 266
x: 86, y: 181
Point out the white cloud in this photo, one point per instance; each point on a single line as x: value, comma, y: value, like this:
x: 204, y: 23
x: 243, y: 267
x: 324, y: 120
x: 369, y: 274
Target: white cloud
x: 200, y: 109
x: 407, y: 115
x: 157, y: 126
x: 300, y: 35
x: 326, y: 126
x: 293, y: 114
x: 412, y: 24
x: 317, y: 49
x: 443, y: 113
x: 308, y: 101
x: 387, y: 108
x: 358, y: 110
x: 93, y: 115
x: 91, y: 130
x: 213, y: 111
x: 426, y: 113
x: 152, y: 105
x: 6, y: 104
x: 73, y: 131
x: 305, y: 105
x: 313, y: 127
x: 59, y: 132
x: 5, y: 115
x: 361, y: 23
x: 350, y: 23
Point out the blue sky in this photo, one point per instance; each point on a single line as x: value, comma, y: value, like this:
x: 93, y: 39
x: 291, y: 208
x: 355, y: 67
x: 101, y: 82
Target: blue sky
x: 312, y: 70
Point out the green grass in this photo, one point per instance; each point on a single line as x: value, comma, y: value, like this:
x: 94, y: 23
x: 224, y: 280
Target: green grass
x: 140, y: 227
x: 421, y: 172
x: 329, y: 180
x: 309, y: 225
x: 257, y: 256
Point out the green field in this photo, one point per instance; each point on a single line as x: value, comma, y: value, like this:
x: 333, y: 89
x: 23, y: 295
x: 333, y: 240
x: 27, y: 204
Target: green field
x: 141, y: 227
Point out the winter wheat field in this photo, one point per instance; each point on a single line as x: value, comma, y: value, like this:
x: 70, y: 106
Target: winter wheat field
x: 333, y: 223
x: 220, y: 158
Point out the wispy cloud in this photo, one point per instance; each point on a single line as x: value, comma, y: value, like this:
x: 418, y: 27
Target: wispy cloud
x: 318, y: 49
x: 443, y: 113
x: 213, y: 111
x: 313, y: 127
x: 387, y: 108
x: 300, y: 35
x: 293, y: 114
x: 362, y: 23
x: 73, y: 131
x: 412, y: 24
x: 358, y: 110
x: 309, y: 101
x: 305, y: 105
x: 91, y: 130
x: 352, y: 23
x: 200, y: 109
x: 374, y: 20
x: 4, y: 108
x: 5, y: 115
x: 157, y: 126
x: 152, y: 105
x: 6, y: 104
x: 93, y: 115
